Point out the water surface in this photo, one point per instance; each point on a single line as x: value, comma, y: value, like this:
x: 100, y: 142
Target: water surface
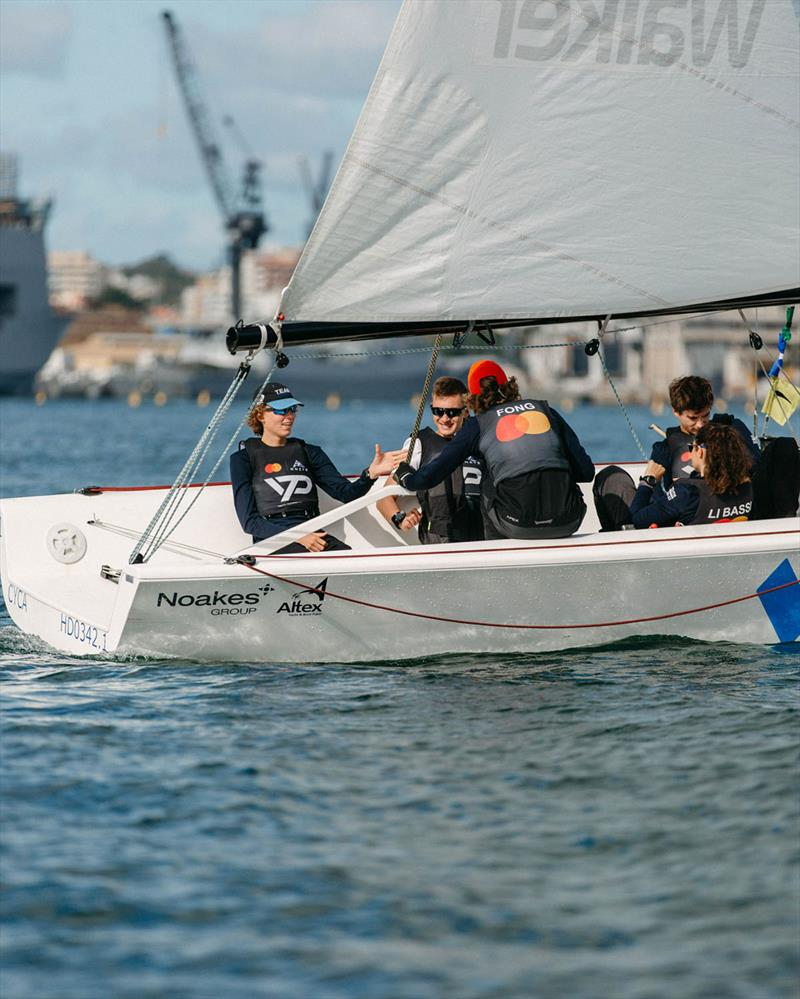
x: 620, y: 821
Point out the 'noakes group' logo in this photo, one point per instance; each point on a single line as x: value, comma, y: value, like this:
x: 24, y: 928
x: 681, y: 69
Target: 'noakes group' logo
x: 297, y: 607
x: 520, y: 420
x: 218, y: 603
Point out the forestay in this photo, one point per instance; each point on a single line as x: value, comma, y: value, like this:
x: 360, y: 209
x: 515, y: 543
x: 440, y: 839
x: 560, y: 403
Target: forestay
x: 549, y: 159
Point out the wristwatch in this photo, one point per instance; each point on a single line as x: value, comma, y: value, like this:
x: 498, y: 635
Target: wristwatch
x: 648, y: 480
x: 398, y: 518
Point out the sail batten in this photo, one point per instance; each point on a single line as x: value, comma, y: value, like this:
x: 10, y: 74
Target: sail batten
x: 541, y: 162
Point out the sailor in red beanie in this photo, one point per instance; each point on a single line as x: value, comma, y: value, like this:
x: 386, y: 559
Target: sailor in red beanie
x: 485, y: 369
x: 532, y: 460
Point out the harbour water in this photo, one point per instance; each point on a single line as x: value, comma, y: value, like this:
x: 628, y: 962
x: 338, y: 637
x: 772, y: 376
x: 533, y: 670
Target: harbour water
x: 615, y: 822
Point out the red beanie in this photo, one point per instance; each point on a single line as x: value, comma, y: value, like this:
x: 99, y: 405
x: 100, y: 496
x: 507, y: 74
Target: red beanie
x: 484, y: 369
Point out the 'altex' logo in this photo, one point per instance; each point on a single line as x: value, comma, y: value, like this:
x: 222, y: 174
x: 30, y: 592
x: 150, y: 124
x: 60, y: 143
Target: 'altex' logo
x: 220, y: 603
x: 297, y: 607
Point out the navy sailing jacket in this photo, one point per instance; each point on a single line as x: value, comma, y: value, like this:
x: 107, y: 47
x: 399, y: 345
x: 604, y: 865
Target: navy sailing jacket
x: 466, y: 443
x: 660, y: 452
x: 325, y: 474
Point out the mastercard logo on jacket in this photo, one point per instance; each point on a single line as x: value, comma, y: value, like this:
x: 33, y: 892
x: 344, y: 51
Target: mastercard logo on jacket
x: 516, y: 425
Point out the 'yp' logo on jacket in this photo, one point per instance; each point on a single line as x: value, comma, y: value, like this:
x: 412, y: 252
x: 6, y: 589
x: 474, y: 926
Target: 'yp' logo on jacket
x: 287, y: 486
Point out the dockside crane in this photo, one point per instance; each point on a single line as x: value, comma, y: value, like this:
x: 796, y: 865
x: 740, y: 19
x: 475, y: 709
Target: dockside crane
x: 316, y: 188
x: 242, y: 210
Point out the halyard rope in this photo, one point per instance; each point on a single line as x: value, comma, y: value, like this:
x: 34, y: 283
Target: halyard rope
x: 526, y: 627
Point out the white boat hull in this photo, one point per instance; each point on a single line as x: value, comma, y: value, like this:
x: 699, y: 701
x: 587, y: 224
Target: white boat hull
x: 385, y: 600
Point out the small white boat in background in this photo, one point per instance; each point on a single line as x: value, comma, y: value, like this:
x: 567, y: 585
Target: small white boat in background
x: 507, y: 170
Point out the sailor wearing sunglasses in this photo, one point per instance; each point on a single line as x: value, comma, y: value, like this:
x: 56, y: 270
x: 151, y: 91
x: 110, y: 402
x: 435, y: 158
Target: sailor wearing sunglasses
x: 450, y: 510
x: 532, y: 460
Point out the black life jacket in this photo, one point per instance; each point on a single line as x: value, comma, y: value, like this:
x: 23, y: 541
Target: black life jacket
x: 451, y: 510
x: 528, y: 489
x: 680, y: 448
x: 519, y: 437
x: 733, y: 505
x: 680, y: 445
x: 776, y: 480
x: 282, y: 479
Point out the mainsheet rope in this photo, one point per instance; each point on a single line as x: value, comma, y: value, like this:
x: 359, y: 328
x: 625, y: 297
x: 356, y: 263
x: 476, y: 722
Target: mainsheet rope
x: 525, y: 627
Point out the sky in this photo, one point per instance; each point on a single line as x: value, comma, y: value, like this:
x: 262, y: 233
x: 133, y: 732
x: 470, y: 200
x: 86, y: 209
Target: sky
x: 90, y: 105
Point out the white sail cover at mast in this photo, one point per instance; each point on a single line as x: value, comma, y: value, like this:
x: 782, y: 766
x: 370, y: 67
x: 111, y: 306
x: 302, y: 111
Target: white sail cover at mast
x: 555, y: 158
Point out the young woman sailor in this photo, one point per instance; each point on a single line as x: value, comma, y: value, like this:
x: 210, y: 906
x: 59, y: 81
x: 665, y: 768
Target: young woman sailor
x: 449, y: 511
x: 275, y: 476
x: 718, y: 490
x: 532, y: 461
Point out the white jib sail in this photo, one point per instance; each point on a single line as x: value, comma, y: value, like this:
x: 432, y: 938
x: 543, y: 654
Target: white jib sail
x: 557, y: 158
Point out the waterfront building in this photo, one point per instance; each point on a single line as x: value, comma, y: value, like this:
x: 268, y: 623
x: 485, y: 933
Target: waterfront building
x: 75, y: 278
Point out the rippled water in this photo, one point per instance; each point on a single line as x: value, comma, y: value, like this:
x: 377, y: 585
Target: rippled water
x: 618, y: 822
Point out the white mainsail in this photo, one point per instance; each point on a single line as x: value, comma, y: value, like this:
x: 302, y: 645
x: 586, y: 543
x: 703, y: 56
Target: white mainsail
x: 556, y: 158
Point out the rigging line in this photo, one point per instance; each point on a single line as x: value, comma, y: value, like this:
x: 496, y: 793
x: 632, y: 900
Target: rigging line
x: 398, y: 351
x: 688, y: 317
x: 630, y: 39
x: 526, y: 627
x: 424, y: 396
x: 174, y: 495
x: 225, y: 450
x: 787, y: 419
x: 504, y: 227
x: 480, y: 348
x: 180, y: 547
x: 175, y: 498
x: 620, y: 403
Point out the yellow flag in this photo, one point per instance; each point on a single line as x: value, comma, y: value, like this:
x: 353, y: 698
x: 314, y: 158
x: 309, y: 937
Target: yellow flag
x: 781, y: 400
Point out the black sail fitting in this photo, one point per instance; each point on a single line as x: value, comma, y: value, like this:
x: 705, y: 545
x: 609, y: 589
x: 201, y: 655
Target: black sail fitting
x: 252, y: 336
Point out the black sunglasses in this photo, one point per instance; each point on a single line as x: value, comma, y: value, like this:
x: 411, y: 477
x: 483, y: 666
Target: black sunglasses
x: 452, y: 412
x: 281, y: 412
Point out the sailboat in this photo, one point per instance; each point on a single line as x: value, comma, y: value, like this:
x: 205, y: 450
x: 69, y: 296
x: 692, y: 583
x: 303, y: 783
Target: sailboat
x: 515, y: 163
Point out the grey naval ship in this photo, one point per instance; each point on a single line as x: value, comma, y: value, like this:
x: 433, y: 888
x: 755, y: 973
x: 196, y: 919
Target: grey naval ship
x: 29, y: 329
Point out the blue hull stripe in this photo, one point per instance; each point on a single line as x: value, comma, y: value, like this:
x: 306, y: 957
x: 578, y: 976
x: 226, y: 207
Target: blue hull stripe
x: 782, y: 606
